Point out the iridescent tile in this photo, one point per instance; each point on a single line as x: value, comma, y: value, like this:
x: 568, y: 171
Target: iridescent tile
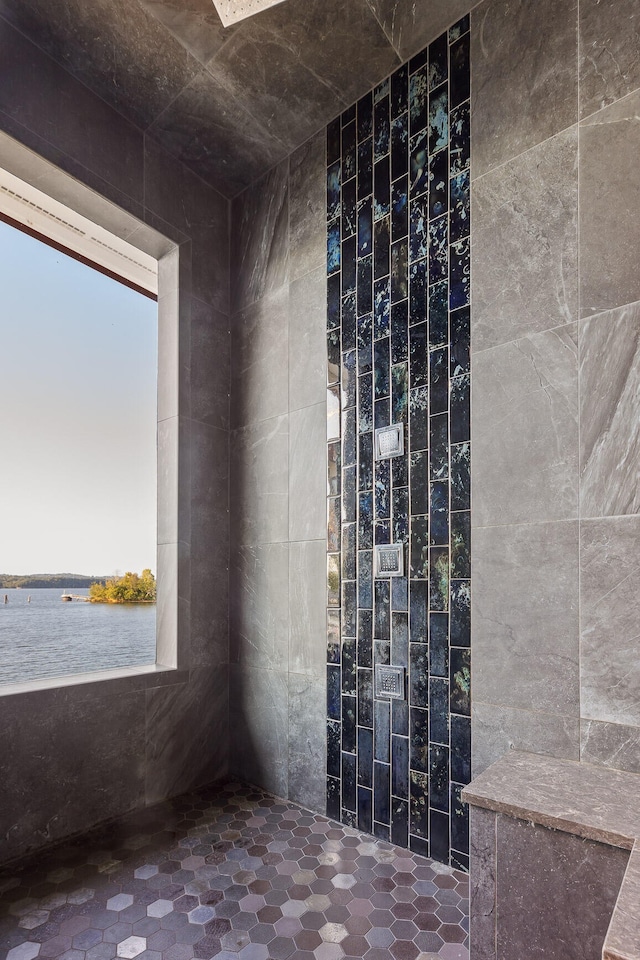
x: 417, y: 291
x: 460, y: 409
x: 460, y: 145
x: 365, y: 804
x: 348, y: 379
x: 439, y: 380
x: 382, y: 90
x: 439, y: 644
x: 400, y: 209
x: 365, y: 461
x: 365, y: 168
x: 381, y: 128
x: 333, y: 247
x: 349, y: 493
x: 459, y: 828
x: 365, y: 117
x: 365, y: 697
x: 349, y: 209
x: 333, y: 301
x: 365, y: 520
x: 399, y: 91
x: 400, y: 470
x: 438, y: 62
x: 419, y: 481
x: 439, y: 447
x: 348, y: 152
x: 419, y: 165
x: 399, y: 769
x: 439, y: 777
x: 381, y: 189
x: 419, y: 418
x: 419, y: 736
x: 348, y: 258
x: 381, y: 367
x: 333, y: 141
x: 349, y: 437
x: 333, y: 579
x: 461, y: 476
x: 365, y: 356
x: 460, y: 341
x: 382, y: 793
x: 365, y: 286
x: 418, y: 100
x: 461, y: 545
x: 365, y: 638
x: 418, y: 61
x: 461, y: 612
x: 418, y: 355
x: 382, y: 413
x: 365, y: 403
x: 382, y: 615
x: 348, y: 726
x: 419, y: 547
x: 334, y: 736
x: 419, y: 804
x: 455, y: 32
x: 334, y: 468
x: 365, y: 228
x: 438, y: 250
x: 349, y: 607
x: 333, y: 798
x: 439, y: 513
x: 382, y: 531
x: 365, y: 579
x: 439, y: 578
x: 400, y: 270
x: 460, y: 274
x: 461, y: 749
x: 333, y: 357
x: 399, y: 633
x: 333, y: 413
x: 460, y: 74
x: 419, y: 611
x: 333, y: 524
x: 381, y: 307
x: 438, y: 314
x: 438, y: 119
x: 381, y: 265
x: 460, y: 681
x: 418, y: 230
x: 333, y: 191
x: 438, y: 184
x: 349, y: 547
x: 400, y: 331
x: 399, y: 146
x: 460, y: 206
x: 348, y: 115
x: 348, y: 318
x: 333, y: 692
x: 383, y: 489
x: 400, y: 515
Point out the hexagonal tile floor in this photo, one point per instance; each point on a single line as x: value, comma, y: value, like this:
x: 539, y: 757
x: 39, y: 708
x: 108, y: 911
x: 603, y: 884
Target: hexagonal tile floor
x: 233, y: 873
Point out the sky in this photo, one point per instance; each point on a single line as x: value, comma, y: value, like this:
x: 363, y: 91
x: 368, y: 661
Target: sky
x: 78, y: 384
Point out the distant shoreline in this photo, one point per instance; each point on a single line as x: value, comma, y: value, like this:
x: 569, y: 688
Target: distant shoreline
x: 61, y: 580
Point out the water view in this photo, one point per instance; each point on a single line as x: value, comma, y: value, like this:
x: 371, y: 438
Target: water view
x: 50, y: 638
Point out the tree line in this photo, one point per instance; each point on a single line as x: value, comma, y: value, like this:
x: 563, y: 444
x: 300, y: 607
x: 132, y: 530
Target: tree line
x: 131, y: 588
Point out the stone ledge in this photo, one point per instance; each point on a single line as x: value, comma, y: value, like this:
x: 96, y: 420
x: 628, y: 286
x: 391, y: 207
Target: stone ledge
x: 596, y: 803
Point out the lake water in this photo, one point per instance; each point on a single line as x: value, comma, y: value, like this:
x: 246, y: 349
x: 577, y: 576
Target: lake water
x: 50, y: 638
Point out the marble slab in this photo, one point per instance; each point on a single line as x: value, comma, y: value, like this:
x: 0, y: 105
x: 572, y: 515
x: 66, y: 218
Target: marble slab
x: 623, y: 937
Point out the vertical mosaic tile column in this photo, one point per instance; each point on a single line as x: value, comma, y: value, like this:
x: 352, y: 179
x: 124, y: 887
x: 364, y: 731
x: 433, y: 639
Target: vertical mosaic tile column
x: 398, y: 265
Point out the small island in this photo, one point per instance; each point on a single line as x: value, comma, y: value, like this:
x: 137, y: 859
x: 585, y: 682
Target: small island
x: 132, y: 588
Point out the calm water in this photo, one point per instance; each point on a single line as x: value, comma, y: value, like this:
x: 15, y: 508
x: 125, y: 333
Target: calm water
x: 49, y: 638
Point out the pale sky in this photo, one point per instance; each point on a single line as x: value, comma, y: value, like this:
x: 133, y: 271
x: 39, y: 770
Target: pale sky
x: 78, y: 371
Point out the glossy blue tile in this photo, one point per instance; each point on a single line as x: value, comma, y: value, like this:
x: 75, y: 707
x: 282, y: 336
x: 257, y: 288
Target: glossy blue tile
x: 333, y: 798
x: 365, y: 520
x: 439, y: 710
x: 439, y: 645
x: 349, y: 551
x: 438, y: 119
x: 461, y: 476
x: 399, y: 146
x: 438, y: 250
x: 349, y: 780
x: 419, y: 804
x: 400, y: 595
x: 365, y: 810
x: 365, y: 403
x: 438, y: 184
x: 382, y: 611
x: 333, y: 692
x: 418, y: 164
x: 381, y: 307
x: 399, y: 270
x: 381, y: 189
x: 365, y: 579
x: 365, y: 638
x: 348, y: 152
x: 333, y: 191
x: 460, y: 274
x: 400, y: 515
x: 333, y: 247
x: 461, y: 545
x: 461, y: 612
x: 381, y: 367
x: 365, y: 228
x: 419, y: 737
x: 365, y: 286
x: 439, y: 513
x: 419, y: 675
x: 382, y: 731
x: 438, y: 314
x: 381, y: 128
x: 382, y: 412
x: 399, y: 90
x: 418, y: 100
x: 461, y: 749
x: 418, y: 282
x: 418, y: 235
x: 349, y: 621
x: 365, y: 116
x: 460, y: 342
x: 333, y: 141
x: 381, y: 259
x: 365, y: 342
x: 400, y: 767
x: 460, y: 409
x: 460, y: 145
x: 455, y: 32
x: 365, y: 697
x: 439, y: 777
x: 439, y: 440
x: 439, y: 380
x: 460, y: 222
x: 439, y: 578
x: 460, y: 73
x: 418, y: 611
x: 460, y: 681
x: 334, y: 738
x: 333, y: 301
x: 381, y: 792
x: 365, y: 461
x: 419, y: 418
x: 400, y: 208
x: 419, y: 482
x: 348, y: 259
x: 383, y: 489
x: 438, y: 62
x: 348, y: 707
x: 400, y: 332
x: 365, y: 168
x: 333, y: 636
x: 419, y: 355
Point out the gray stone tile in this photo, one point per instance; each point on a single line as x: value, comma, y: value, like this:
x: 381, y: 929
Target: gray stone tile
x: 411, y: 26
x: 609, y: 52
x: 73, y: 795
x: 609, y: 199
x: 259, y: 359
x: 307, y: 206
x: 194, y: 23
x: 259, y: 722
x: 210, y: 365
x: 307, y: 473
x: 482, y: 888
x: 259, y: 606
x: 497, y: 729
x: 209, y: 471
x: 307, y: 746
x: 307, y: 340
x: 525, y: 631
x: 209, y: 604
x: 209, y: 131
x: 609, y: 413
x: 523, y: 58
x: 549, y: 871
x: 525, y: 429
x: 260, y: 238
x: 610, y: 745
x: 90, y: 141
x: 187, y: 731
x: 260, y: 482
x: 609, y: 612
x: 307, y: 604
x: 113, y: 47
x: 525, y: 243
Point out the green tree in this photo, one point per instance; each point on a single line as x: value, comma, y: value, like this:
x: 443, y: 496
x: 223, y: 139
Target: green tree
x: 131, y: 588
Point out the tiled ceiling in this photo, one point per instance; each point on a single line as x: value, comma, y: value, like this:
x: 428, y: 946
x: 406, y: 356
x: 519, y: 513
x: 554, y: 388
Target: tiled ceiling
x: 230, y: 102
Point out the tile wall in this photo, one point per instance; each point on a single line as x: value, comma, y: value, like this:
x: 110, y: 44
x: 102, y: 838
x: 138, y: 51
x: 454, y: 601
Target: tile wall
x: 398, y: 294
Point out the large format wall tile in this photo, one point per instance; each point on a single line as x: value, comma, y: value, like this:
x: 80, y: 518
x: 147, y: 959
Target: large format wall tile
x: 610, y: 413
x: 524, y: 76
x: 307, y: 206
x: 482, y: 891
x: 259, y: 727
x: 609, y: 201
x: 307, y: 339
x: 525, y: 634
x: 307, y: 626
x: 259, y: 350
x: 497, y: 729
x: 307, y: 476
x: 410, y: 26
x: 525, y: 244
x: 260, y: 481
x: 525, y: 429
x: 259, y: 627
x: 307, y: 739
x: 610, y: 745
x: 195, y: 23
x: 610, y: 612
x: 609, y: 52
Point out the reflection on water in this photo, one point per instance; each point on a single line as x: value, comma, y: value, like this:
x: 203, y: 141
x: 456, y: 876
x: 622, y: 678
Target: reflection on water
x: 49, y: 638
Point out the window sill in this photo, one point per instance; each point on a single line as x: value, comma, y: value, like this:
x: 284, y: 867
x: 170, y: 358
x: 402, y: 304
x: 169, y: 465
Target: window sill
x: 96, y: 676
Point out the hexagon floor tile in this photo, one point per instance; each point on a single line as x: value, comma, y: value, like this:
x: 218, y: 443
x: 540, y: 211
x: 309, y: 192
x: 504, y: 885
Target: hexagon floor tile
x: 233, y: 873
